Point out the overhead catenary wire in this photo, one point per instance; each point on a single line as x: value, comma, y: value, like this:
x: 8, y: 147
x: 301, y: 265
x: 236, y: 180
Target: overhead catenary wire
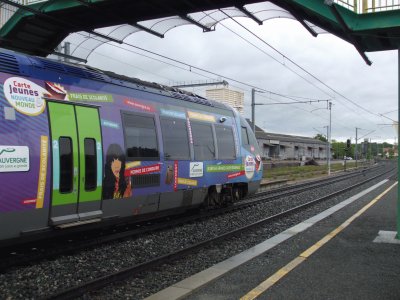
x: 240, y: 82
x: 190, y: 66
x: 297, y: 65
x: 291, y: 97
x: 231, y: 79
x: 283, y: 64
x: 285, y: 57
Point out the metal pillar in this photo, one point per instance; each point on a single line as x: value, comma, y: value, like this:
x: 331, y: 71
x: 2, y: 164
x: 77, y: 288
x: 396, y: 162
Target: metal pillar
x: 329, y: 138
x: 398, y: 165
x: 67, y: 50
x: 253, y: 92
x: 356, y: 148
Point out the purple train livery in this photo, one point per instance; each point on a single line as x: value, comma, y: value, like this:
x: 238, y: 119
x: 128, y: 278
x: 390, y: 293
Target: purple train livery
x: 79, y: 145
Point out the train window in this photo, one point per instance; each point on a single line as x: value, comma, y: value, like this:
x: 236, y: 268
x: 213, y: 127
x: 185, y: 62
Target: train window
x: 175, y: 137
x: 249, y: 141
x: 245, y: 136
x: 66, y: 165
x: 140, y: 137
x: 203, y: 141
x: 225, y: 142
x: 90, y: 164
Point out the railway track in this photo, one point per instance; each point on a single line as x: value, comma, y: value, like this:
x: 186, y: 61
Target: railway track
x: 31, y: 253
x: 104, y: 281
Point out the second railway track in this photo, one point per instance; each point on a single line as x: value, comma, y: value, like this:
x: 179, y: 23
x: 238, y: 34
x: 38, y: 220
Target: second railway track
x: 123, y: 272
x: 30, y: 253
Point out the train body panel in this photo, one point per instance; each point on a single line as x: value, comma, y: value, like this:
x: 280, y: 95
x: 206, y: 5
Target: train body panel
x: 77, y: 145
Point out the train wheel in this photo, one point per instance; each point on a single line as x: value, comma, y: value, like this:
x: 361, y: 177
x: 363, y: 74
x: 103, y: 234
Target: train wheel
x: 236, y: 194
x: 214, y: 199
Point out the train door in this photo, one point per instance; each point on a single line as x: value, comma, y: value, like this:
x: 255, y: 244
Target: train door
x: 76, y: 163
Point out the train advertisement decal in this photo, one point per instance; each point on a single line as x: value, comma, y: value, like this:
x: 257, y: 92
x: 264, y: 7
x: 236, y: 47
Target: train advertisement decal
x: 196, y: 169
x: 249, y: 166
x: 138, y: 105
x: 90, y: 97
x: 14, y: 158
x: 115, y: 183
x: 25, y: 96
x: 74, y: 148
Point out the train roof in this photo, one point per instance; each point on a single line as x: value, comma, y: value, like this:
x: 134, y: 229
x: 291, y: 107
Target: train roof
x: 24, y: 65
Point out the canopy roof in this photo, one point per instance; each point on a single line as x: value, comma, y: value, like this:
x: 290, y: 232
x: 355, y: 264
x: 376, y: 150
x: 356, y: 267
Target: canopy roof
x: 39, y: 28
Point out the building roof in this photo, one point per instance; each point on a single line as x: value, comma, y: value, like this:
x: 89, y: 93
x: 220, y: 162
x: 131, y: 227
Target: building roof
x: 262, y: 135
x: 38, y: 28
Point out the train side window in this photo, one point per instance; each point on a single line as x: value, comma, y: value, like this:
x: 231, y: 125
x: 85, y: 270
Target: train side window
x: 140, y: 137
x: 245, y: 136
x: 175, y: 138
x: 225, y: 142
x: 203, y: 141
x: 90, y: 164
x: 66, y: 165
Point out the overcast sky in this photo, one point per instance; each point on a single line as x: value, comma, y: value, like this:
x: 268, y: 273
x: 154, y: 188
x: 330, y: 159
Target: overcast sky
x: 336, y: 64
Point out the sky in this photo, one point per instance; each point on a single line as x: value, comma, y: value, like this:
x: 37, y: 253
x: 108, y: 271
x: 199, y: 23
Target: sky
x: 359, y: 93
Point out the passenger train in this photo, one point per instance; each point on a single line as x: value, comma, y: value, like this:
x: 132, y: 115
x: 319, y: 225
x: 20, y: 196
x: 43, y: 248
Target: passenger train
x: 79, y: 145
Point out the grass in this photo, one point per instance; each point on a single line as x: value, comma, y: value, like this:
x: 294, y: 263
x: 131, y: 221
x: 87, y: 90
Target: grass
x: 304, y: 172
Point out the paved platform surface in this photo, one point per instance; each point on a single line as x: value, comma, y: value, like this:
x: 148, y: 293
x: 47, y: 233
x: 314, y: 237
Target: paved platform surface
x: 347, y: 252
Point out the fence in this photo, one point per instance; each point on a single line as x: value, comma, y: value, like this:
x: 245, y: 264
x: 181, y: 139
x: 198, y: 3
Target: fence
x: 7, y: 10
x: 369, y: 6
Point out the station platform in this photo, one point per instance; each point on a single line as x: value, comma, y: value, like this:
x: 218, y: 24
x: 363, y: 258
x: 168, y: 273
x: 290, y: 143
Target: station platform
x: 346, y: 252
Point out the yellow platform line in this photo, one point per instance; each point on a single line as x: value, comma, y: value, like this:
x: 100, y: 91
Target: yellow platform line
x: 270, y: 281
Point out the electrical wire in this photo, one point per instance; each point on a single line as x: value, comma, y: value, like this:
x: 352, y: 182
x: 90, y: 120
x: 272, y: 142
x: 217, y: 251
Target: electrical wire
x: 237, y: 81
x: 297, y: 65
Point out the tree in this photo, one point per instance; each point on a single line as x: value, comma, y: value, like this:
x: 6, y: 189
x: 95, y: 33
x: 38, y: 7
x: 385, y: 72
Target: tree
x: 339, y: 150
x: 321, y: 137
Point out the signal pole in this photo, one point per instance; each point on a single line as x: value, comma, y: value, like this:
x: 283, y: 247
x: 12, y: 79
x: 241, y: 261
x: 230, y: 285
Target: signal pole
x: 253, y: 92
x: 329, y: 138
x: 356, y: 148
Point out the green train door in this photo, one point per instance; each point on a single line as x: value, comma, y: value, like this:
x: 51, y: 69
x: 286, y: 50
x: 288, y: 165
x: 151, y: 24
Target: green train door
x: 76, y: 163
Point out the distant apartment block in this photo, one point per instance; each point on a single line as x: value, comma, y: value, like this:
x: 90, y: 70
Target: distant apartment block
x: 227, y: 96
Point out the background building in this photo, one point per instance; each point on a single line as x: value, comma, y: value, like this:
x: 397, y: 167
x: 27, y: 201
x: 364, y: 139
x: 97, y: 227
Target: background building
x: 289, y: 147
x: 227, y: 96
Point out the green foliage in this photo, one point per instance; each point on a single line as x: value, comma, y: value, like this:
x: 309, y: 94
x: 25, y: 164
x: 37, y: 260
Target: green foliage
x: 303, y: 172
x: 339, y: 150
x: 321, y: 137
x: 369, y: 151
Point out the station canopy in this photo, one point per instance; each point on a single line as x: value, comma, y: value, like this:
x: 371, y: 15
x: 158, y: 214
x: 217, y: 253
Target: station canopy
x: 40, y: 28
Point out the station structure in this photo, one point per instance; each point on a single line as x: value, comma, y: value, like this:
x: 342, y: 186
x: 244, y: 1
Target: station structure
x: 227, y: 96
x: 40, y: 27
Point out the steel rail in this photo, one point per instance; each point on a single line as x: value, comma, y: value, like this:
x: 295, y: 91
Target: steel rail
x: 49, y: 252
x: 104, y: 281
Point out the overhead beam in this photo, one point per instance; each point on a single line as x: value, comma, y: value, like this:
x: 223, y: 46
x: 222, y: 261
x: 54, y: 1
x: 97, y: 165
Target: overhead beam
x: 191, y: 20
x: 111, y: 39
x: 69, y: 56
x: 302, y: 22
x: 59, y: 21
x: 347, y: 31
x: 223, y: 82
x: 249, y: 14
x: 148, y: 30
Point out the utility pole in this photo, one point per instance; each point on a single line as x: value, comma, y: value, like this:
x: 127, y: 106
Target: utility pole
x: 370, y: 148
x: 398, y: 163
x: 329, y: 138
x: 253, y: 104
x: 356, y: 147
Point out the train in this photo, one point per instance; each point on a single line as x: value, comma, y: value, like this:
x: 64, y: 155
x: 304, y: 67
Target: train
x: 80, y: 146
